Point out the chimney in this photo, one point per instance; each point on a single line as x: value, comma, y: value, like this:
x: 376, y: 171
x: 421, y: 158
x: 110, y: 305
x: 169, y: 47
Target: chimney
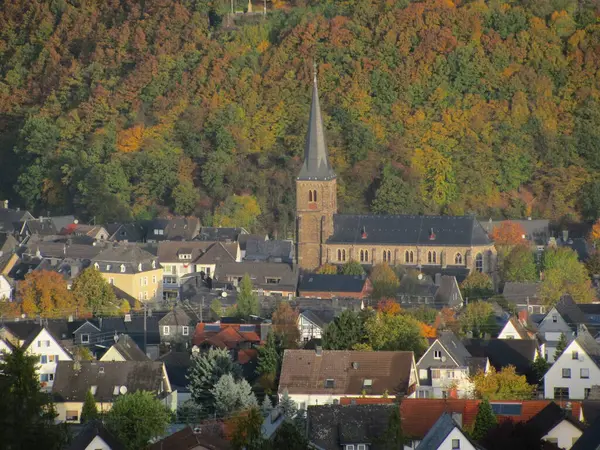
x: 355, y: 365
x: 127, y: 318
x: 74, y: 270
x: 319, y: 350
x: 70, y: 319
x: 523, y: 316
x: 363, y: 233
x: 565, y: 235
x: 431, y: 235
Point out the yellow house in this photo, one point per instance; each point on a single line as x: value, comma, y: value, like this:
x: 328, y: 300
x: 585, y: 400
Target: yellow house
x: 131, y: 269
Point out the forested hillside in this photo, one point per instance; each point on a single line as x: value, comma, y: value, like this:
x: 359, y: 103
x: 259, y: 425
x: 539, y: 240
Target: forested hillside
x: 121, y: 109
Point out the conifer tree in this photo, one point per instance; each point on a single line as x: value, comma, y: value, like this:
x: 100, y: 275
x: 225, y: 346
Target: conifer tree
x: 266, y: 406
x: 268, y: 358
x: 484, y: 421
x: 247, y: 300
x: 561, y: 346
x: 288, y: 406
x: 89, y: 411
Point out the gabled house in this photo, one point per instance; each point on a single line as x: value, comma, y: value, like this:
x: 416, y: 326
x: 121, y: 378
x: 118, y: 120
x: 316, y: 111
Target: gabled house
x: 275, y: 250
x: 227, y: 335
x: 563, y: 318
x: 351, y: 427
x: 202, y: 437
x: 125, y: 232
x: 174, y: 327
x: 446, y: 434
x: 173, y: 229
x: 11, y: 219
x: 445, y: 368
x: 221, y: 234
x: 422, y: 290
x: 556, y: 425
x: 95, y: 436
x: 575, y: 371
x: 87, y: 333
x: 124, y: 349
x: 177, y: 365
x: 95, y: 232
x: 328, y: 286
x: 133, y: 324
x: 312, y: 323
x: 267, y: 278
x: 43, y: 344
x: 519, y: 328
x: 106, y: 381
x: 525, y: 296
x: 42, y: 226
x: 318, y: 377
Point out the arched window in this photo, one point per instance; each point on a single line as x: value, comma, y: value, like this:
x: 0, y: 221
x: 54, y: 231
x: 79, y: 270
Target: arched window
x: 409, y: 257
x: 310, y: 197
x: 339, y: 255
x: 479, y: 262
x: 412, y: 257
x: 366, y: 255
x: 434, y: 257
x: 458, y: 259
x: 362, y: 256
x: 429, y: 257
x: 344, y: 255
x: 387, y: 256
x: 314, y: 196
x: 406, y: 257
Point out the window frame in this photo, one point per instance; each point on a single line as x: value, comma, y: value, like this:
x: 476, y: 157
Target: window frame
x: 84, y: 341
x: 562, y: 389
x: 436, y: 353
x: 458, y: 259
x: 479, y: 266
x: 185, y: 330
x: 455, y: 444
x: 566, y: 372
x: 166, y: 330
x: 575, y: 355
x: 581, y: 373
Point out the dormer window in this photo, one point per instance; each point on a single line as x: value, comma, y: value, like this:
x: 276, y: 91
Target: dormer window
x: 329, y: 383
x: 122, y: 268
x: 159, y: 232
x: 140, y: 267
x: 108, y: 266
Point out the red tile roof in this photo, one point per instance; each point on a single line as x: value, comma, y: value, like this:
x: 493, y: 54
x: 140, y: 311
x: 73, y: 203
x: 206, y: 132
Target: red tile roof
x: 247, y: 355
x: 229, y: 336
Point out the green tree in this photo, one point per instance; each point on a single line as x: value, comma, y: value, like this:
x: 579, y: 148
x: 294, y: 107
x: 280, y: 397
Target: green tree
x: 288, y: 436
x: 385, y: 282
x: 344, y: 332
x: 389, y: 332
x: 266, y: 406
x: 247, y: 300
x: 519, y: 265
x: 392, y: 438
x: 484, y: 421
x: 216, y: 309
x: 478, y: 318
x: 269, y: 358
x: 502, y: 385
x: 352, y: 267
x: 477, y: 285
x: 231, y: 395
x: 539, y: 367
x: 564, y: 274
x: 395, y: 195
x: 288, y: 406
x: 327, y: 269
x: 560, y: 346
x: 593, y: 264
x: 237, y: 211
x: 423, y: 314
x: 137, y: 418
x: 89, y: 411
x: 26, y: 414
x: 92, y: 290
x: 247, y: 431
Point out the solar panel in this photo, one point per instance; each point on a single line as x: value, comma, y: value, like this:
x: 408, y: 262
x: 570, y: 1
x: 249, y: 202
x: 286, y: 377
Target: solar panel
x: 247, y: 328
x: 212, y: 327
x: 507, y: 409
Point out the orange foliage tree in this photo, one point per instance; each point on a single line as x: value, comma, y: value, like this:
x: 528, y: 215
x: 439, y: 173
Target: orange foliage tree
x: 508, y: 233
x: 595, y: 234
x: 285, y: 324
x: 45, y: 293
x: 428, y: 331
x: 389, y: 307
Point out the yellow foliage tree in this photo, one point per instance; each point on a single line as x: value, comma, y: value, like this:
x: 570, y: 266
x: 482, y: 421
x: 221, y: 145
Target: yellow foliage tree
x: 45, y: 293
x: 595, y: 234
x: 237, y: 211
x: 130, y: 140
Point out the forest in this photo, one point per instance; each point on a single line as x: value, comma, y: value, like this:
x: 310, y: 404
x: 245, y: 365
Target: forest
x: 120, y: 110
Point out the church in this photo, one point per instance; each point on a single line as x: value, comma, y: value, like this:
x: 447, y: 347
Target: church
x: 450, y: 245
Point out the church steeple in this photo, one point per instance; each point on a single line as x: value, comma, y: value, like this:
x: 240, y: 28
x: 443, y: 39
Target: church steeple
x: 316, y: 159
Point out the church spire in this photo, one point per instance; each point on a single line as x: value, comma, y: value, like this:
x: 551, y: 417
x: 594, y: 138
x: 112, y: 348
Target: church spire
x: 316, y: 159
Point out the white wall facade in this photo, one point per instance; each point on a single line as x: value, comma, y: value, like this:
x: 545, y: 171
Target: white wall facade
x: 577, y: 384
x: 112, y: 355
x: 509, y: 332
x: 5, y: 289
x: 308, y: 330
x: 49, y: 352
x: 551, y: 328
x: 98, y: 444
x: 456, y: 434
x: 448, y: 379
x: 564, y: 434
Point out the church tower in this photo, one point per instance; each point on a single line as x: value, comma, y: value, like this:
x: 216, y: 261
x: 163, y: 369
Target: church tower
x: 316, y: 198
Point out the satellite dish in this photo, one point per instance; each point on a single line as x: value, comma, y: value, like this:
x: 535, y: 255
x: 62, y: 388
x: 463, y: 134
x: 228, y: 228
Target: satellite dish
x: 420, y: 276
x: 123, y: 390
x: 443, y: 360
x: 223, y: 294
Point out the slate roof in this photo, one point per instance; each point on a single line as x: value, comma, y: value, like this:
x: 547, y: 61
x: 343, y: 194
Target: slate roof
x: 590, y: 346
x: 175, y: 317
x: 174, y: 229
x: 71, y: 385
x: 134, y: 329
x: 536, y: 230
x: 61, y: 222
x: 132, y: 232
x: 549, y: 417
x: 305, y: 372
x: 337, y: 305
x: 503, y: 352
x: 169, y: 251
x: 319, y: 318
x: 316, y: 164
x: 219, y: 252
x: 187, y: 439
x: 454, y: 347
x: 590, y: 411
x: 62, y: 250
x: 590, y: 439
x: 243, y: 239
x: 89, y: 432
x: 129, y: 349
x: 519, y: 292
x: 131, y: 256
x: 331, y: 283
x: 460, y: 273
x: 220, y: 234
x: 408, y: 230
x: 7, y: 243
x: 10, y: 219
x: 439, y: 432
x: 177, y: 365
x: 271, y: 250
x: 332, y: 426
x: 258, y: 272
x: 41, y: 226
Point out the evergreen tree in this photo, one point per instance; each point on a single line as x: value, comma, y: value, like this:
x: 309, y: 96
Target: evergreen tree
x: 288, y: 436
x: 484, y: 421
x: 247, y: 300
x: 89, y: 411
x: 539, y: 367
x: 26, y: 414
x: 216, y: 309
x: 266, y: 406
x: 269, y: 358
x: 231, y: 395
x: 344, y: 332
x: 288, y: 406
x: 395, y: 195
x: 561, y: 346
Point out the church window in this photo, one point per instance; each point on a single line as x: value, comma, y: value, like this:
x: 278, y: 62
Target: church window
x: 362, y: 256
x: 458, y: 259
x: 479, y: 262
x: 344, y: 255
x: 341, y: 255
x: 366, y: 255
x: 310, y: 197
x: 314, y: 196
x: 431, y: 257
x: 387, y: 256
x: 409, y: 257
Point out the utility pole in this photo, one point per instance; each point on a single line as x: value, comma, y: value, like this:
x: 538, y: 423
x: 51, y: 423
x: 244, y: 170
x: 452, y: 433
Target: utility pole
x: 202, y: 310
x: 145, y: 315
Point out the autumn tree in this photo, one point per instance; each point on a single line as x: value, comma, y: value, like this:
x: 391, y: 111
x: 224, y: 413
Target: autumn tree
x: 478, y: 319
x: 594, y: 237
x: 389, y: 307
x: 327, y: 269
x: 352, y: 267
x: 45, y: 293
x: 564, y: 274
x: 93, y: 291
x: 385, y: 282
x: 237, y: 211
x: 508, y: 234
x: 285, y: 325
x: 477, y: 285
x: 502, y: 385
x: 401, y: 332
x: 423, y: 314
x: 519, y: 265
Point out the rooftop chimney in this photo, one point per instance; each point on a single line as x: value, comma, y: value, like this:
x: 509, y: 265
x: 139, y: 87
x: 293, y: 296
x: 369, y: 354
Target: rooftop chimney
x: 523, y: 315
x: 431, y: 235
x: 363, y: 233
x: 355, y: 365
x: 565, y: 235
x: 5, y: 204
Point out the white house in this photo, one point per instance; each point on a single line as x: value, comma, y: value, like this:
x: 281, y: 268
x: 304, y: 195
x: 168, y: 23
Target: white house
x: 563, y: 318
x: 5, y: 288
x: 311, y: 325
x: 518, y: 328
x: 575, y: 371
x: 556, y: 425
x: 446, y: 435
x: 5, y: 347
x: 49, y: 350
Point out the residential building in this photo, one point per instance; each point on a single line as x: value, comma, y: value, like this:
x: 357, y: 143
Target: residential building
x: 124, y: 349
x: 563, y: 318
x: 175, y: 327
x: 445, y: 368
x: 329, y: 286
x: 11, y: 219
x: 96, y: 232
x: 267, y: 278
x: 350, y: 427
x: 525, y: 296
x: 318, y: 377
x: 43, y: 344
x: 173, y: 229
x: 87, y: 333
x: 131, y: 269
x: 446, y: 434
x: 144, y: 332
x: 125, y: 232
x: 556, y: 425
x: 421, y: 290
x: 221, y: 234
x: 6, y: 288
x: 232, y: 336
x: 576, y: 370
x: 177, y: 365
x: 201, y: 437
x: 106, y: 381
x: 95, y: 436
x: 519, y: 328
x: 312, y: 323
x: 42, y: 226
x: 281, y: 251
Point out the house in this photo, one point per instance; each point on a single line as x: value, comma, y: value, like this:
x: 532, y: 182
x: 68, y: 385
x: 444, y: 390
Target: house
x: 231, y: 336
x: 145, y: 333
x: 328, y: 286
x: 95, y: 232
x: 563, y: 318
x: 421, y: 290
x: 124, y: 349
x: 575, y: 371
x: 446, y: 434
x: 199, y: 438
x: 131, y: 269
x: 318, y: 377
x: 177, y: 365
x: 520, y: 353
x: 95, y: 436
x: 445, y: 368
x: 125, y: 232
x: 43, y: 344
x: 87, y: 333
x: 350, y: 427
x: 519, y: 328
x: 312, y: 323
x: 556, y: 425
x: 591, y: 312
x: 243, y: 240
x: 106, y: 381
x: 42, y: 226
x: 221, y: 234
x: 590, y: 439
x: 267, y: 278
x: 174, y: 327
x: 11, y: 219
x: 173, y: 229
x: 524, y: 296
x: 274, y: 250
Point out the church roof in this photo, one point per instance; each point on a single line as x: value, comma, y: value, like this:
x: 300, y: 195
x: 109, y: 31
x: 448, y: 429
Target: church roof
x: 316, y: 160
x: 408, y: 230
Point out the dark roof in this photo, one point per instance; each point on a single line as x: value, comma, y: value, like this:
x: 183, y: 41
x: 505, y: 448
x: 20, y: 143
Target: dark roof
x: 438, y: 433
x: 460, y: 273
x: 569, y: 310
x: 589, y: 308
x: 177, y: 365
x: 580, y: 246
x: 272, y: 250
x: 258, y: 272
x: 454, y: 347
x: 130, y: 256
x: 72, y: 385
x: 332, y: 426
x: 134, y: 329
x: 537, y: 230
x: 549, y: 417
x: 503, y: 352
x: 591, y: 410
x: 220, y: 234
x: 41, y: 226
x: 316, y: 159
x: 10, y: 219
x: 22, y: 329
x: 187, y: 439
x: 61, y: 222
x: 337, y: 305
x: 131, y: 232
x: 62, y: 250
x: 219, y: 252
x: 590, y: 439
x: 244, y: 238
x: 129, y: 349
x: 305, y: 372
x: 408, y: 230
x: 590, y: 346
x: 173, y: 229
x: 331, y: 283
x: 89, y: 432
x: 7, y: 243
x: 519, y: 292
x: 176, y: 317
x: 477, y: 363
x: 319, y: 318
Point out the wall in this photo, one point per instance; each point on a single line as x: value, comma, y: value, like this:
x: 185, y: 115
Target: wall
x: 130, y: 283
x: 112, y: 355
x: 575, y: 384
x: 5, y: 289
x: 565, y: 434
x: 509, y: 332
x: 63, y: 407
x: 175, y: 333
x: 98, y: 444
x: 456, y: 434
x: 551, y: 331
x: 308, y: 330
x: 42, y: 349
x: 325, y: 294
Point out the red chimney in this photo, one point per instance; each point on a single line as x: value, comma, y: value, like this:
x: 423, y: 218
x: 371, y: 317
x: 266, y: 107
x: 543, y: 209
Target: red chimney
x: 363, y: 233
x: 431, y: 235
x: 523, y: 316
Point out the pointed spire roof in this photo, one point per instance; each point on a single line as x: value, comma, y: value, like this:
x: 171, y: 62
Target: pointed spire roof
x: 316, y: 159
